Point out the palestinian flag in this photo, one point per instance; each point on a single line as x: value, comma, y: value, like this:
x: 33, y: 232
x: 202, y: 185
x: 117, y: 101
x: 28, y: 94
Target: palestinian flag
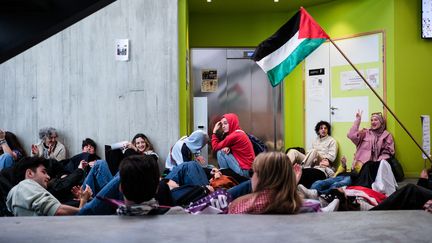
x: 285, y: 49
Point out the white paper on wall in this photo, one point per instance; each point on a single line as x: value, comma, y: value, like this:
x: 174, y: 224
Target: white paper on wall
x: 425, y: 119
x: 122, y: 50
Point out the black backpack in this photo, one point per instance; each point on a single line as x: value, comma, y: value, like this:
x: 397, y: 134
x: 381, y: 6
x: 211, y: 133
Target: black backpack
x: 258, y: 145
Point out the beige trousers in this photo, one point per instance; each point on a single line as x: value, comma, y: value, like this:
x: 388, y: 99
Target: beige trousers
x: 311, y: 159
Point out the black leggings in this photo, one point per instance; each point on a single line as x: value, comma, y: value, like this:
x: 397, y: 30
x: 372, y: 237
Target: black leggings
x: 407, y: 198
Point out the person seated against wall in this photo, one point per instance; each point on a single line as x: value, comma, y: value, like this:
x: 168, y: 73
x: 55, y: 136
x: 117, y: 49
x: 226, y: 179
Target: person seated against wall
x: 373, y: 145
x: 88, y: 156
x: 30, y: 197
x: 234, y: 150
x: 324, y: 147
x: 107, y: 186
x: 10, y: 149
x: 88, y: 146
x: 102, y: 181
x: 140, y: 145
x: 139, y: 180
x: 187, y: 148
x: 49, y: 147
x: 274, y: 188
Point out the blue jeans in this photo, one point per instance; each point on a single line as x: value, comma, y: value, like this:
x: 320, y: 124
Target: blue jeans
x: 98, y: 176
x: 229, y: 161
x: 188, y: 173
x: 99, y: 207
x: 6, y: 161
x: 241, y: 189
x: 325, y: 186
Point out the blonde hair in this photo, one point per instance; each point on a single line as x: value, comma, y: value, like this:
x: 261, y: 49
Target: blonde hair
x: 275, y: 173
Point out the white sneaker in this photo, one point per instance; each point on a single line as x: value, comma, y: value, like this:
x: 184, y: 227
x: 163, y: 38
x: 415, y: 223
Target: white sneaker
x: 308, y: 193
x: 333, y: 206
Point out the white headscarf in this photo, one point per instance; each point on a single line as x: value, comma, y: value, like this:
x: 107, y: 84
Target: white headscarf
x: 195, y: 142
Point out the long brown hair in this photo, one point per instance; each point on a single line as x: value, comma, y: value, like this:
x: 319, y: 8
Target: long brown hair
x: 275, y: 173
x: 146, y: 140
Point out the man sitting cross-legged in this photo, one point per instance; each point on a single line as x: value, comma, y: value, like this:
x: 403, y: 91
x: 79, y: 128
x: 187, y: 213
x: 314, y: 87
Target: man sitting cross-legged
x: 30, y: 197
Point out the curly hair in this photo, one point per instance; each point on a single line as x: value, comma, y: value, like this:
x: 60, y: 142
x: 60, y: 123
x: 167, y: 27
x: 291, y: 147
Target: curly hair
x: 46, y: 132
x: 319, y: 124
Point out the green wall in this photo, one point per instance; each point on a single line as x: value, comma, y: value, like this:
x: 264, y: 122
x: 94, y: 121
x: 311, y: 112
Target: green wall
x: 184, y: 90
x: 406, y: 79
x: 413, y: 81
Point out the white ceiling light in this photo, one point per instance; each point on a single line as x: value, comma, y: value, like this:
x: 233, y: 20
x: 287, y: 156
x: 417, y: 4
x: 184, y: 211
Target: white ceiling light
x: 209, y: 1
x: 276, y: 1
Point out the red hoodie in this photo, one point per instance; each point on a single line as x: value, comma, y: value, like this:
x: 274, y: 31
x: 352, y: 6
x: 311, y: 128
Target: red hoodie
x: 238, y: 142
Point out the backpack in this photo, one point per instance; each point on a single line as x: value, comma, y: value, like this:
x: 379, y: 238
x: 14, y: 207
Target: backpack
x: 258, y: 145
x: 186, y: 194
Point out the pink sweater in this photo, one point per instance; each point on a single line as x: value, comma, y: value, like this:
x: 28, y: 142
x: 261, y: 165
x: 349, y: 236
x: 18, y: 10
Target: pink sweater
x: 385, y: 144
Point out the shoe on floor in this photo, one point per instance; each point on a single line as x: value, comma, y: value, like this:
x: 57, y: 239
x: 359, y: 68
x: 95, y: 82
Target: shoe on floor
x: 333, y: 206
x: 323, y: 202
x: 308, y: 193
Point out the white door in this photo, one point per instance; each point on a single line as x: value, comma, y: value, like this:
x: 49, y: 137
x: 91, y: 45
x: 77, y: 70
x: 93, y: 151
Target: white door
x: 334, y: 92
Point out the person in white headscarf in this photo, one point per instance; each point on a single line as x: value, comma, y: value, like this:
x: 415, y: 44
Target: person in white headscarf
x: 187, y: 149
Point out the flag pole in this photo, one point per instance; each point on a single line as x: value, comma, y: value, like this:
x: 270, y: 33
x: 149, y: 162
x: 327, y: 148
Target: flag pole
x: 382, y: 101
x: 274, y: 117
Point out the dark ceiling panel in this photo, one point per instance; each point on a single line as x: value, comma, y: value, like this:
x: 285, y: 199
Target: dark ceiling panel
x: 25, y: 23
x: 251, y: 6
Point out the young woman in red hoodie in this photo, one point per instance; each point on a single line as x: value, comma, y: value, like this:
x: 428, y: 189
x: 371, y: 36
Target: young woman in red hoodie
x: 235, y: 151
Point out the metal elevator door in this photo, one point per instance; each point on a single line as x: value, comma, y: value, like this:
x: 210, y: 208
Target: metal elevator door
x: 242, y: 88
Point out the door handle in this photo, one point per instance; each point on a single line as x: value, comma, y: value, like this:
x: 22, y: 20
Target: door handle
x: 333, y: 108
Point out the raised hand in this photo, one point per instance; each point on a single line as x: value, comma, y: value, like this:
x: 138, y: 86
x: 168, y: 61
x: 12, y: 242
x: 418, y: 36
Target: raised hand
x: 359, y: 114
x: 298, y: 172
x: 2, y: 134
x: 86, y: 194
x: 34, y: 149
x: 343, y: 161
x: 217, y: 126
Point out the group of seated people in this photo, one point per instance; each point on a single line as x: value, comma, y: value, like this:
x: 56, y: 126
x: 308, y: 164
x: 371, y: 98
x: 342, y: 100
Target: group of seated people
x: 48, y: 183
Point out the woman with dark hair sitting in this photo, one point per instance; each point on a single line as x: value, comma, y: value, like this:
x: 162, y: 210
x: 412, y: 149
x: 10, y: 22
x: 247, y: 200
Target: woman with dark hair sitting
x: 323, y: 151
x: 140, y: 145
x: 10, y: 149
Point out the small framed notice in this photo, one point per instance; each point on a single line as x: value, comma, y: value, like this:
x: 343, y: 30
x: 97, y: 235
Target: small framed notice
x: 122, y: 50
x: 425, y: 120
x: 209, y: 80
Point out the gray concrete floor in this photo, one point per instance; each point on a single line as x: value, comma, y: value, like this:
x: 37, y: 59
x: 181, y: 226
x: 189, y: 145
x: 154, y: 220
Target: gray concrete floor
x: 384, y: 226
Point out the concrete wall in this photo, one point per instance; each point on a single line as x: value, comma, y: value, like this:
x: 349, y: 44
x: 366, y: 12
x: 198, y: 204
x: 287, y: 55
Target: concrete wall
x: 72, y: 82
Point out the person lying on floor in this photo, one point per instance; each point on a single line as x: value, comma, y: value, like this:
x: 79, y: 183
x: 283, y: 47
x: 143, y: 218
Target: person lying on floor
x: 338, y: 180
x: 274, y: 189
x: 411, y: 196
x: 139, y: 180
x: 30, y: 197
x: 106, y: 185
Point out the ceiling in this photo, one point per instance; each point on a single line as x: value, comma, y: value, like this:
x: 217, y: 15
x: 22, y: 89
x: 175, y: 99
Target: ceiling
x: 249, y: 6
